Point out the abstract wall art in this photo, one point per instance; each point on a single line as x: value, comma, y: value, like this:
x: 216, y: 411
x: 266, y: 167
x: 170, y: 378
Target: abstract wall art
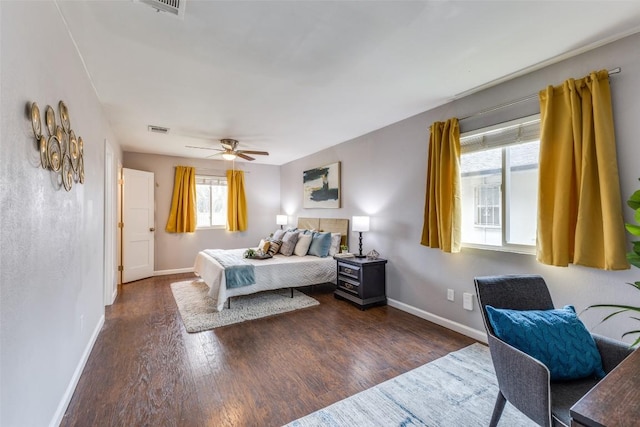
x: 322, y: 187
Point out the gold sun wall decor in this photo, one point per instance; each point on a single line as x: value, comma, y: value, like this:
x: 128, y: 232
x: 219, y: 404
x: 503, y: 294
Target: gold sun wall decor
x: 60, y: 150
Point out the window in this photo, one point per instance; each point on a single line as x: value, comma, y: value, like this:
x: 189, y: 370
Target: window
x: 499, y: 186
x: 487, y: 205
x: 211, y: 198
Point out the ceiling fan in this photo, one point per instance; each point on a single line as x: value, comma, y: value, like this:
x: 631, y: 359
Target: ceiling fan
x: 229, y: 150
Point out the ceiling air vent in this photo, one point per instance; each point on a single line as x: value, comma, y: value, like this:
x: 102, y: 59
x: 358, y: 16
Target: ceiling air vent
x: 157, y: 129
x: 174, y: 7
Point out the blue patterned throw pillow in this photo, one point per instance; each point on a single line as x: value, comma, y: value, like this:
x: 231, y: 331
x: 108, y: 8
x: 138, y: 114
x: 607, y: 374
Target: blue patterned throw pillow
x: 556, y: 338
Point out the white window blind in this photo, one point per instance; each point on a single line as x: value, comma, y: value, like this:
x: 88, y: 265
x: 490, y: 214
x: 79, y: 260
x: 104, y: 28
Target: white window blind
x: 520, y: 131
x: 211, y: 180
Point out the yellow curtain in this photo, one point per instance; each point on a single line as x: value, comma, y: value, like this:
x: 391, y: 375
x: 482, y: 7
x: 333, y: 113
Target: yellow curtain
x: 579, y: 206
x: 236, y: 201
x: 442, y: 210
x: 182, y: 217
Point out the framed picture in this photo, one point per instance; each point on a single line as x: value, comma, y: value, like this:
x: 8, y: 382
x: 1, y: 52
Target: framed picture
x: 321, y: 187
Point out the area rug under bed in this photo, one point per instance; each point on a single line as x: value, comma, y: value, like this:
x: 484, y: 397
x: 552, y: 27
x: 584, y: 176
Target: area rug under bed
x: 197, y: 308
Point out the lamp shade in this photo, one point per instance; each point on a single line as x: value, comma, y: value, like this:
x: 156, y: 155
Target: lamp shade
x: 282, y: 219
x: 228, y: 156
x: 360, y: 223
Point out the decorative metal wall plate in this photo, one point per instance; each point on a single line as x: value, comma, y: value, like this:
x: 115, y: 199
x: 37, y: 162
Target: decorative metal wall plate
x: 42, y: 144
x: 64, y: 116
x: 67, y: 172
x: 50, y: 118
x: 35, y: 120
x: 54, y: 153
x: 62, y: 152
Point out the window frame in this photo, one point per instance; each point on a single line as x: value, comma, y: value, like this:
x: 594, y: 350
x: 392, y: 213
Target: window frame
x: 505, y: 186
x: 204, y: 178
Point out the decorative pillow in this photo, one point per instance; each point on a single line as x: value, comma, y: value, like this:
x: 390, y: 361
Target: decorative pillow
x: 264, y: 245
x: 274, y: 246
x: 289, y: 243
x: 556, y: 338
x: 278, y: 234
x: 320, y: 244
x: 302, y: 246
x: 335, y: 244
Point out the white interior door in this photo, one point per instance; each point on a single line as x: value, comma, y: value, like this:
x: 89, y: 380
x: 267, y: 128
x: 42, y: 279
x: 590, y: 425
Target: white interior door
x: 138, y: 225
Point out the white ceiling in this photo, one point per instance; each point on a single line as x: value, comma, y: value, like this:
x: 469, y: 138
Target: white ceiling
x: 294, y: 77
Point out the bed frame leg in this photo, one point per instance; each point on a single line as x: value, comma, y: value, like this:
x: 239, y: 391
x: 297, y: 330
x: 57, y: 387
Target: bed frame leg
x: 229, y: 303
x: 291, y: 292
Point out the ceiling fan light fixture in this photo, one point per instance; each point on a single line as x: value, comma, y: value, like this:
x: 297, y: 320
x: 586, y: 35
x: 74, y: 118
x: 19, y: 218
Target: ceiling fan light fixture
x: 228, y: 156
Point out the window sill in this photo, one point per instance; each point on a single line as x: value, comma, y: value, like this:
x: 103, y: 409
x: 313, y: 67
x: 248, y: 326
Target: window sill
x: 515, y: 249
x: 212, y: 227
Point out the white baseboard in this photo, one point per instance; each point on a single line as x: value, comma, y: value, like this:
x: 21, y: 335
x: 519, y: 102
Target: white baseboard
x: 68, y: 394
x: 114, y: 295
x: 449, y: 324
x: 174, y: 271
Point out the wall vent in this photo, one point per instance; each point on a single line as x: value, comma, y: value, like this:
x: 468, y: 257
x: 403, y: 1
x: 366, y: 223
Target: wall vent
x: 174, y: 7
x: 157, y: 129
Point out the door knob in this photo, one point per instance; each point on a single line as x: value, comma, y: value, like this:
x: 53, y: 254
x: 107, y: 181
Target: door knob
x: 152, y: 229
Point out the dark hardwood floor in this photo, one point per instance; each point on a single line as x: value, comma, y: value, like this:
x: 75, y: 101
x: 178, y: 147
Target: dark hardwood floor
x: 146, y: 370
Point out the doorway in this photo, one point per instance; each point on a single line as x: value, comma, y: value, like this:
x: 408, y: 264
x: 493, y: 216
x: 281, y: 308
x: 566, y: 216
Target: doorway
x: 110, y: 264
x: 138, y: 225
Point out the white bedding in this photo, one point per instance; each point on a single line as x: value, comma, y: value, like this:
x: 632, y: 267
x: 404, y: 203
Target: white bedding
x: 273, y: 273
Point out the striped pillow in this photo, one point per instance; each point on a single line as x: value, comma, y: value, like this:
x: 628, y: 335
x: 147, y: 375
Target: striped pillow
x: 274, y: 246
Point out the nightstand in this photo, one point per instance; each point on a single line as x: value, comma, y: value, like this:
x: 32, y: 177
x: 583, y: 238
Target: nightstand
x: 361, y: 281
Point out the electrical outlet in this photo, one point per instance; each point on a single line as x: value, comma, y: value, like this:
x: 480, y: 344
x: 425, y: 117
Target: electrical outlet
x: 467, y: 301
x: 450, y: 295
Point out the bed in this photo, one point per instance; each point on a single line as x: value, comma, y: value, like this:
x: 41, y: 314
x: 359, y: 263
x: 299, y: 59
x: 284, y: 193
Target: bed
x: 273, y: 273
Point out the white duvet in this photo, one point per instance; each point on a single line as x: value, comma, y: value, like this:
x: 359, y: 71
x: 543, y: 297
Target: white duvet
x: 273, y: 273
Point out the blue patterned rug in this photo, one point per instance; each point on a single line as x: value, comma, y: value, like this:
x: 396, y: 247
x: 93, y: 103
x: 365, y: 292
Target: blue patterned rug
x: 457, y: 390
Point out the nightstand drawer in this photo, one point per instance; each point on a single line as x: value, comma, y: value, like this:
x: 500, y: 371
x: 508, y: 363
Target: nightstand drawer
x: 347, y: 285
x: 349, y: 270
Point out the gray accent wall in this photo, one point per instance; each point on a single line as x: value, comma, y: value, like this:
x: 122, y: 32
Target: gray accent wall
x: 175, y: 251
x: 52, y: 241
x: 384, y: 176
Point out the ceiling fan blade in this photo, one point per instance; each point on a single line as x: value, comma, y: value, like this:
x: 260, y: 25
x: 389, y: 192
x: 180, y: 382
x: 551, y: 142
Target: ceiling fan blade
x: 213, y: 155
x: 261, y: 153
x: 202, y: 148
x: 244, y: 156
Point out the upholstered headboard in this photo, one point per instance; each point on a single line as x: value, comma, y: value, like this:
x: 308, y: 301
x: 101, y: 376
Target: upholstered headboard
x: 327, y: 225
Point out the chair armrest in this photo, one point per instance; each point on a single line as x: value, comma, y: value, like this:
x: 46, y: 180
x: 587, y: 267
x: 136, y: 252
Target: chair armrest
x: 523, y: 380
x: 612, y: 352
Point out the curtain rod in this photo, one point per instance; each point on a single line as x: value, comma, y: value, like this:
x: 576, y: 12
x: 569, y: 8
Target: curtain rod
x: 214, y: 172
x: 518, y: 101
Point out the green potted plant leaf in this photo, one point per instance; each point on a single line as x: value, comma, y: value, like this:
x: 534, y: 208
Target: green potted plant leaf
x: 634, y: 259
x: 249, y: 253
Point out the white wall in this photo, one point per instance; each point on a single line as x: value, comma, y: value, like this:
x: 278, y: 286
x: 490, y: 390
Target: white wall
x: 384, y: 175
x: 178, y: 250
x: 51, y: 265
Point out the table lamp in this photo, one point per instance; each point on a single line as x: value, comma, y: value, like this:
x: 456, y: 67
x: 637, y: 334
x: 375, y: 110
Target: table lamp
x: 281, y: 220
x: 360, y: 224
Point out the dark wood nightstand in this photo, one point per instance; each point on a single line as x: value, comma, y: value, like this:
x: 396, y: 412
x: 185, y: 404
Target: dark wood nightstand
x: 361, y: 281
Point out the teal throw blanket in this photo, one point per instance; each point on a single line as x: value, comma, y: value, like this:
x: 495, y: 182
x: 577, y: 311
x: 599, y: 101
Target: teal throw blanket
x: 237, y: 271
